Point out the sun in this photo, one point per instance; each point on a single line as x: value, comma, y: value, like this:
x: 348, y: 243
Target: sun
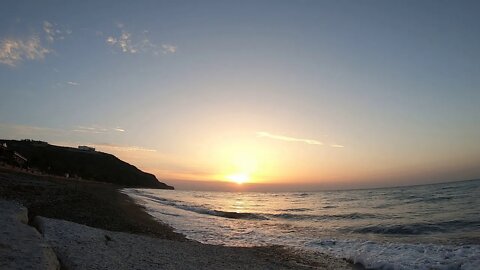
x: 239, y: 178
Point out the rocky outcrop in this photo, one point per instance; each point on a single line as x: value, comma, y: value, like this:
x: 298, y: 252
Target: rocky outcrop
x: 21, y: 246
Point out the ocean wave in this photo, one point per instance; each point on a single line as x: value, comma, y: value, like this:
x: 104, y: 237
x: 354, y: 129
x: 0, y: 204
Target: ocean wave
x: 237, y: 215
x: 417, y: 228
x: 401, y: 256
x: 302, y: 194
x: 200, y: 209
x: 323, y: 217
x: 428, y: 199
x: 294, y: 210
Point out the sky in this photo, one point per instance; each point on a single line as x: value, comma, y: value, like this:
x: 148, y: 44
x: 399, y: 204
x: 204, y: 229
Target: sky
x: 326, y: 94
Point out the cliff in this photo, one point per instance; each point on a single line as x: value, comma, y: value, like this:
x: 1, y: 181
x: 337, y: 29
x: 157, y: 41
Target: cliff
x: 89, y: 165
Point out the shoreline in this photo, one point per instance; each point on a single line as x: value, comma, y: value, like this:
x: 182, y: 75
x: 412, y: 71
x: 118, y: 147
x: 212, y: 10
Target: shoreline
x: 95, y: 204
x: 104, y: 206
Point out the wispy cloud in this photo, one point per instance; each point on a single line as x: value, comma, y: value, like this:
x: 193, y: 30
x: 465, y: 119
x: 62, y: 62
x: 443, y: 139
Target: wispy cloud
x: 34, y: 130
x: 337, y: 145
x: 27, y: 129
x: 167, y: 48
x: 17, y: 131
x: 126, y: 42
x: 287, y: 139
x: 73, y: 83
x: 49, y: 32
x: 54, y: 32
x: 96, y: 129
x: 122, y: 148
x: 14, y: 51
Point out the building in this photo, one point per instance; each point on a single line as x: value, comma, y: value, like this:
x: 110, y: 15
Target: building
x: 86, y: 148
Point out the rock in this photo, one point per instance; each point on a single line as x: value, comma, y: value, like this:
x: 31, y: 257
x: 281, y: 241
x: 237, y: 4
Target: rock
x: 82, y: 247
x: 21, y: 246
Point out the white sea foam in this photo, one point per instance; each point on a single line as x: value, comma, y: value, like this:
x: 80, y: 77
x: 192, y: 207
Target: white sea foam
x: 401, y: 256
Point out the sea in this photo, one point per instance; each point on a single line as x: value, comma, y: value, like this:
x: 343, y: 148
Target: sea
x: 418, y: 227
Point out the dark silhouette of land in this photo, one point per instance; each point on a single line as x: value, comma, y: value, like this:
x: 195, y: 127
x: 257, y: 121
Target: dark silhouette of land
x: 75, y: 163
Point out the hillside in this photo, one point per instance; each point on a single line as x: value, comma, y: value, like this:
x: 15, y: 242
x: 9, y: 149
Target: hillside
x: 89, y: 165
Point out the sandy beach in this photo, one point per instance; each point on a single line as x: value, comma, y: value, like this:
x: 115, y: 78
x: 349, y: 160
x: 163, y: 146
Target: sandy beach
x: 74, y: 216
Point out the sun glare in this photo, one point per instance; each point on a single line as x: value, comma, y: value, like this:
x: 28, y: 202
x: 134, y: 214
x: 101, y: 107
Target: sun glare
x: 239, y: 178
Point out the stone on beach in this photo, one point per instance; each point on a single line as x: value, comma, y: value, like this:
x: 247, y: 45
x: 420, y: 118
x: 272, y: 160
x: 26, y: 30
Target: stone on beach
x: 82, y: 247
x: 21, y: 246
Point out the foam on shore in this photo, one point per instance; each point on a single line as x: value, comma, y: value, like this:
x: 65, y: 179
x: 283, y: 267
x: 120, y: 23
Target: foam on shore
x: 401, y: 256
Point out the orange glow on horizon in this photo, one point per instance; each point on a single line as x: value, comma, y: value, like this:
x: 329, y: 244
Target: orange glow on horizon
x: 239, y: 178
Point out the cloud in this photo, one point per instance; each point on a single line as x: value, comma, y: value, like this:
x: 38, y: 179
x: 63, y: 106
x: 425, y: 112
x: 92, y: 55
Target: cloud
x: 53, y: 32
x: 17, y: 131
x: 287, y: 139
x: 49, y: 32
x: 123, y: 42
x: 167, y: 48
x: 96, y: 129
x: 26, y: 128
x: 122, y: 148
x: 337, y: 145
x: 111, y: 41
x: 126, y: 42
x: 14, y: 51
x: 73, y: 83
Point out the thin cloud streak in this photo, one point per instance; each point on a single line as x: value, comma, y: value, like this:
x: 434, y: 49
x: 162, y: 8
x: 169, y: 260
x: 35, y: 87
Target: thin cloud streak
x: 35, y: 130
x: 337, y: 146
x: 263, y: 134
x: 73, y: 83
x: 96, y: 129
x: 26, y: 128
x: 123, y: 148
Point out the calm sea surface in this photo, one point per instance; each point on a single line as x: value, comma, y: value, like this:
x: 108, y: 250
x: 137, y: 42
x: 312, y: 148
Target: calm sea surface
x: 420, y: 227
